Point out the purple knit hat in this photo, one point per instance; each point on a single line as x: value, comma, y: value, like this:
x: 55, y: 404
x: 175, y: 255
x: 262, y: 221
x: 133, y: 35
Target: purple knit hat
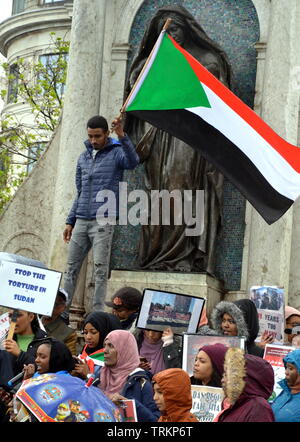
x: 216, y: 353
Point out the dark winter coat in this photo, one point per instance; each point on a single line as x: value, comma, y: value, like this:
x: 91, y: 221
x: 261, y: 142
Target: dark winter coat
x: 27, y: 357
x: 103, y: 172
x: 139, y: 387
x: 252, y: 404
x: 251, y: 318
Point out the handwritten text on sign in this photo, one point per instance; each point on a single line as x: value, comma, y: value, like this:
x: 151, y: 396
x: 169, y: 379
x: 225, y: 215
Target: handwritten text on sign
x: 28, y: 288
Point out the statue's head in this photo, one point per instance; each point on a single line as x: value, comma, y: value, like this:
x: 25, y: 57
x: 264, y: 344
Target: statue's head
x: 177, y: 28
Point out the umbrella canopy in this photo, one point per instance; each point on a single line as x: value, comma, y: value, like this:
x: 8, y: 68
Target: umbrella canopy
x: 62, y: 398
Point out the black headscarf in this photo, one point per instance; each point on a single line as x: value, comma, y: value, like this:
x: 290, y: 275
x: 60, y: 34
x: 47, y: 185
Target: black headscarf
x: 61, y: 358
x: 251, y: 318
x: 104, y: 323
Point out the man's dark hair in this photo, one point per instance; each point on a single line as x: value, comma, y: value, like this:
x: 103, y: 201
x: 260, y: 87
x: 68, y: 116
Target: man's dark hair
x: 97, y: 122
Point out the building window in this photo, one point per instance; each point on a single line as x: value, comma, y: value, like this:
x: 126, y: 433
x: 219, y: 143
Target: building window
x: 18, y: 6
x: 52, y: 64
x: 12, y: 92
x: 34, y: 153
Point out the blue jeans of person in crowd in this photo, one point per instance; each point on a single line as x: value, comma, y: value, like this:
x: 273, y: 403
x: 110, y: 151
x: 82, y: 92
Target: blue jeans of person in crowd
x: 89, y: 234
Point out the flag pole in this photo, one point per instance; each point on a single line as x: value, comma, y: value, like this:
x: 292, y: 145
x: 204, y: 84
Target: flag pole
x: 166, y: 25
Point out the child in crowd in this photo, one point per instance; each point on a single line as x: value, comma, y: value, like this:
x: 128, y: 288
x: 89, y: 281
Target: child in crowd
x: 172, y: 394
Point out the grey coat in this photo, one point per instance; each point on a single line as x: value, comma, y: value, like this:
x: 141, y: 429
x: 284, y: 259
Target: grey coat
x: 237, y: 315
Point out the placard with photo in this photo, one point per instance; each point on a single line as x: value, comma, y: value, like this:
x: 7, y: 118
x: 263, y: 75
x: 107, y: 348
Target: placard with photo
x: 161, y: 309
x: 193, y: 342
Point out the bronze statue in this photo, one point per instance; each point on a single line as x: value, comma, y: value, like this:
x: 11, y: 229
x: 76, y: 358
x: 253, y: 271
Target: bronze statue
x: 170, y: 163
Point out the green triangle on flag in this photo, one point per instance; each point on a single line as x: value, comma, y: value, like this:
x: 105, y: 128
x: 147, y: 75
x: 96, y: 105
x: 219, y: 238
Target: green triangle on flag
x: 169, y: 72
x: 97, y: 358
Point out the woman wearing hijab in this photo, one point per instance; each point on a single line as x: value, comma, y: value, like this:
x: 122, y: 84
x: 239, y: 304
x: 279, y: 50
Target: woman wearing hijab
x: 121, y: 378
x: 249, y: 311
x: 286, y: 406
x: 52, y: 356
x: 158, y: 350
x: 96, y: 327
x: 172, y: 394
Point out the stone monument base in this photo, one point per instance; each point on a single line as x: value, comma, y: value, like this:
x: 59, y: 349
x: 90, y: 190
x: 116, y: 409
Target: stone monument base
x: 196, y: 284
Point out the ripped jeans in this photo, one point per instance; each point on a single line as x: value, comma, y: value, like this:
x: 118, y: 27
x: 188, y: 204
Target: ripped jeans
x: 89, y: 234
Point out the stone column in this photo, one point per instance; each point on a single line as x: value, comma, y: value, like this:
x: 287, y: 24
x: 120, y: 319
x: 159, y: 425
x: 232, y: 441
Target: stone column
x: 82, y: 100
x: 267, y: 257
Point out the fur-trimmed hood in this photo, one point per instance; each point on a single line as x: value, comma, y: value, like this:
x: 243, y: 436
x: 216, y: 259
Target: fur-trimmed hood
x: 237, y: 315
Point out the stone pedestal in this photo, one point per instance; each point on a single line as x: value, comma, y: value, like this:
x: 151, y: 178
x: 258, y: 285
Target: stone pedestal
x: 196, y: 284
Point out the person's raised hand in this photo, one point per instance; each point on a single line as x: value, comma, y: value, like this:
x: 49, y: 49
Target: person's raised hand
x: 117, y: 126
x: 12, y: 347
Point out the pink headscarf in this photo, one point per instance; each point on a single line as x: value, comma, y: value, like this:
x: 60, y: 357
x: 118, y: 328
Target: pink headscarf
x: 112, y: 379
x: 290, y: 311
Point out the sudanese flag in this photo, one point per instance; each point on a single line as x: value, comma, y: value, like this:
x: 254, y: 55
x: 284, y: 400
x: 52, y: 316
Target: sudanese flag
x: 175, y: 93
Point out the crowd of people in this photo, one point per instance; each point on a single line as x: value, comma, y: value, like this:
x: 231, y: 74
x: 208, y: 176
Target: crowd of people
x: 122, y: 361
x: 145, y: 365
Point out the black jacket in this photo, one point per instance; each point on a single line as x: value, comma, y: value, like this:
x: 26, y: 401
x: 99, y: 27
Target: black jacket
x: 172, y: 353
x: 27, y: 357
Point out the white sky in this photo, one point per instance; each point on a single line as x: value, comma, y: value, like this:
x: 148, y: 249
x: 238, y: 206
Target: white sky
x: 5, y: 9
x: 5, y: 12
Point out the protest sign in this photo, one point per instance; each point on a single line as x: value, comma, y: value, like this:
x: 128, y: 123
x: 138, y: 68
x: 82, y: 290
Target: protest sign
x: 207, y: 402
x: 269, y: 301
x: 274, y: 354
x: 28, y: 288
x: 160, y: 309
x: 192, y: 343
x: 4, y: 327
x: 127, y: 411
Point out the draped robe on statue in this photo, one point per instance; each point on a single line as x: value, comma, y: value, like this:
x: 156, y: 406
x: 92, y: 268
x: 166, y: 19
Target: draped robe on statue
x: 171, y: 164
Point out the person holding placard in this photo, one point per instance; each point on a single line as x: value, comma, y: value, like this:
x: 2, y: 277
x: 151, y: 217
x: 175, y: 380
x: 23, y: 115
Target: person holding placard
x: 21, y: 348
x: 159, y: 350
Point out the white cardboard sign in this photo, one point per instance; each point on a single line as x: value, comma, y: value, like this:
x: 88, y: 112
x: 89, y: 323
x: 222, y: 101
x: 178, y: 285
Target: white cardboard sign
x: 28, y: 288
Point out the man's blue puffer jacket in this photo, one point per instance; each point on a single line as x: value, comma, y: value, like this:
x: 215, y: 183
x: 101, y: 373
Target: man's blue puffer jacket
x: 103, y: 172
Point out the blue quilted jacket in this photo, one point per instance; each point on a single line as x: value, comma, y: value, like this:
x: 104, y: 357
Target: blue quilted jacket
x: 139, y: 387
x: 103, y: 172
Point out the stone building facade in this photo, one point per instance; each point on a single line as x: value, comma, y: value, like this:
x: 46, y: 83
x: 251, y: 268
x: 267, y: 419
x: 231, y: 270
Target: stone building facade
x: 102, y: 35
